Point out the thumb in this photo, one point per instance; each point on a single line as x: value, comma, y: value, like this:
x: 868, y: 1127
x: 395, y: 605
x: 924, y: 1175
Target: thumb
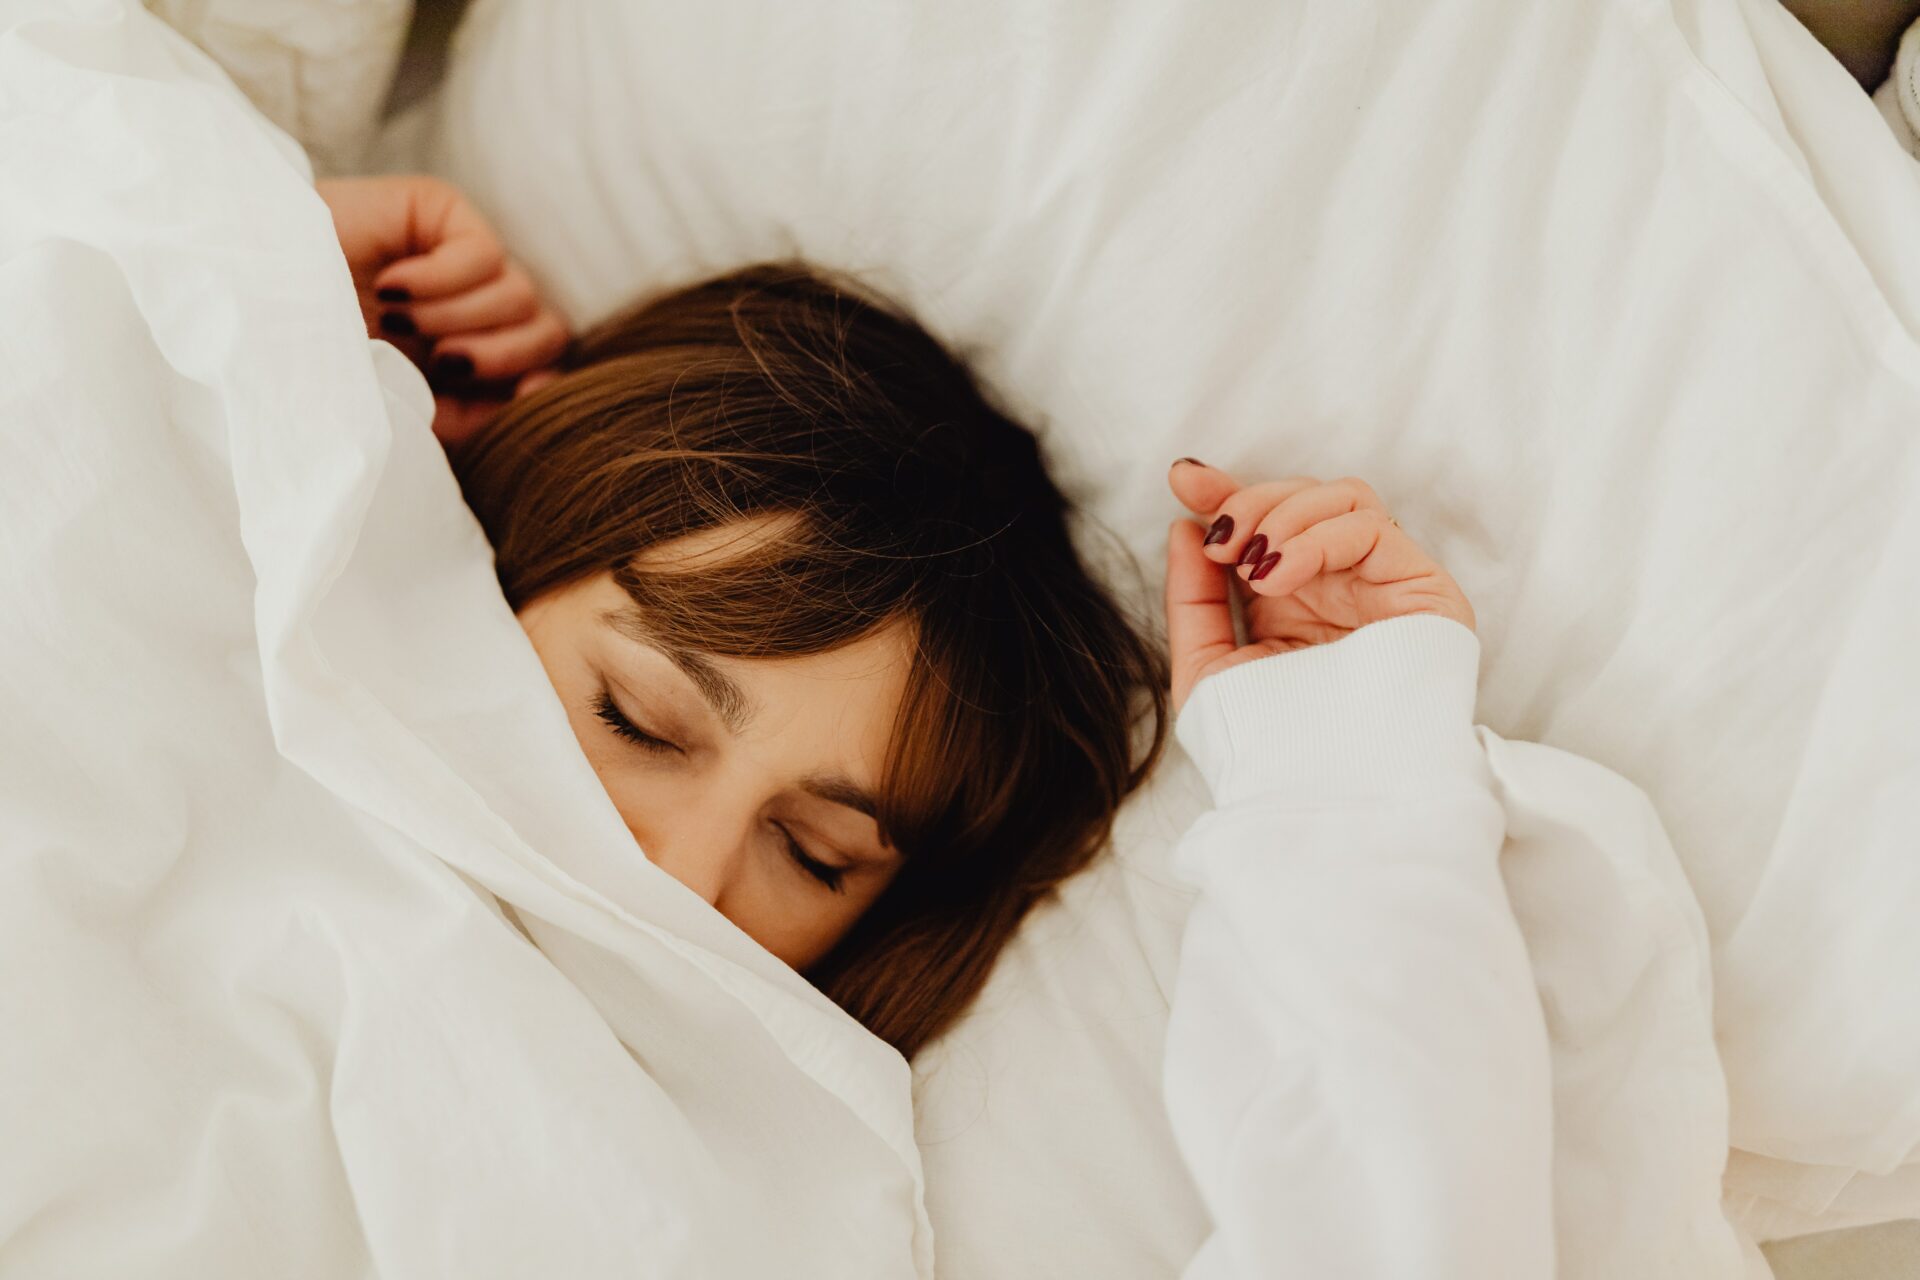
x: 1199, y: 618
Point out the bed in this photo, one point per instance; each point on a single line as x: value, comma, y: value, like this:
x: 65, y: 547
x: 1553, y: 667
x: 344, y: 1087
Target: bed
x: 1615, y: 303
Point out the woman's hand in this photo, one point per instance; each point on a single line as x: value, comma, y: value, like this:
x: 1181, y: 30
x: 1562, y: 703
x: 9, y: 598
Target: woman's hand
x: 435, y: 281
x: 1312, y: 562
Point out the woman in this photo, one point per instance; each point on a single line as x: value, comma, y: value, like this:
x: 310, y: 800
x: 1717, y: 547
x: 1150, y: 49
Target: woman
x: 813, y: 609
x: 810, y: 602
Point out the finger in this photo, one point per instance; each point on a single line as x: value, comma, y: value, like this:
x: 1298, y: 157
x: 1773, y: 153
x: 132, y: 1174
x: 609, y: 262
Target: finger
x: 507, y: 299
x: 1236, y: 521
x: 1200, y: 488
x: 464, y: 259
x: 1364, y: 541
x: 509, y: 352
x: 1199, y: 618
x: 1301, y: 511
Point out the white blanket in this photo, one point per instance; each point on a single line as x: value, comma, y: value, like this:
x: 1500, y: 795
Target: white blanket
x: 271, y: 743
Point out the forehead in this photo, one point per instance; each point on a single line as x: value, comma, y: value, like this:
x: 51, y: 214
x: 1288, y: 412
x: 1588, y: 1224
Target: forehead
x: 880, y: 657
x: 718, y: 545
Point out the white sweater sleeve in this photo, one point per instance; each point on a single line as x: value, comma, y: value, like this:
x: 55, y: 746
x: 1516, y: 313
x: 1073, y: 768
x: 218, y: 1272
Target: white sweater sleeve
x: 1356, y: 1063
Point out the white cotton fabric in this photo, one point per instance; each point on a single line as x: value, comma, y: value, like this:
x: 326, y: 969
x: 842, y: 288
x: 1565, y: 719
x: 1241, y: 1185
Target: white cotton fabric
x: 282, y: 782
x: 1614, y: 303
x: 273, y: 753
x: 1443, y: 1000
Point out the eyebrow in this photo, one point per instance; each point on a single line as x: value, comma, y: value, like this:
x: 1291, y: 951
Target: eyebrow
x: 727, y: 699
x: 838, y: 789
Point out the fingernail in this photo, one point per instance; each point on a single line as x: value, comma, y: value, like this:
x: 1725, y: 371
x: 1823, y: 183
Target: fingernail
x: 1219, y: 531
x: 1195, y: 461
x: 454, y: 366
x: 1266, y: 566
x: 397, y: 322
x: 1256, y: 547
x: 394, y: 293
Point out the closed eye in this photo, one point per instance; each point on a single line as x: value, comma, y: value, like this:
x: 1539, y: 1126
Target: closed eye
x: 608, y: 710
x: 827, y: 874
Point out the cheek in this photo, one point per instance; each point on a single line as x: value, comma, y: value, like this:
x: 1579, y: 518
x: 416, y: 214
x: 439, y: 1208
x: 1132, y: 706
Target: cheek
x: 802, y: 927
x: 637, y: 795
x: 842, y: 911
x: 777, y: 906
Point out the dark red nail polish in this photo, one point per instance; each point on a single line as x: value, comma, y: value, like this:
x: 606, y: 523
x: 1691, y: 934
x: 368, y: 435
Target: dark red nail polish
x: 1266, y: 566
x: 394, y: 293
x: 1256, y: 547
x: 1195, y: 461
x: 454, y: 367
x: 397, y: 322
x: 1219, y: 531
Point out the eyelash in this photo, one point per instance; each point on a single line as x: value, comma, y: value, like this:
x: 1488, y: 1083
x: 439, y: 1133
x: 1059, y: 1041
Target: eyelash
x: 609, y: 711
x: 826, y: 875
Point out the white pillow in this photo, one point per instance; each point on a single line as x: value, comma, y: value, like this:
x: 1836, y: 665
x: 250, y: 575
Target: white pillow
x: 1555, y: 279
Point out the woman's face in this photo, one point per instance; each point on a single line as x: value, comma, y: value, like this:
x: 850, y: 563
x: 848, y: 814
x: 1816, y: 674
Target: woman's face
x: 751, y: 781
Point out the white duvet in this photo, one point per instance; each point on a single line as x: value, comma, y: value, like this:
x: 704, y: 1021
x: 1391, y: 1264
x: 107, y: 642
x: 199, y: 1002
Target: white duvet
x: 273, y: 752
x: 271, y: 745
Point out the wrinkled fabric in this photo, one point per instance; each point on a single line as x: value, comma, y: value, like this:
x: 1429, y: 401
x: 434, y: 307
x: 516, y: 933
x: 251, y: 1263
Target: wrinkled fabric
x: 1613, y: 303
x: 1443, y: 1005
x: 282, y: 782
x: 1575, y: 289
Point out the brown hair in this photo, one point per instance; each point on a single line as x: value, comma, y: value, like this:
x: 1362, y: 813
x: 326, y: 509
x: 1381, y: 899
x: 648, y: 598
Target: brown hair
x: 779, y: 391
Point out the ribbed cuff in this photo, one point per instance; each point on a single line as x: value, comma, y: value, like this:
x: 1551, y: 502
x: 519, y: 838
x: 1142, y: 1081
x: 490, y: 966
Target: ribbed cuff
x: 1386, y: 710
